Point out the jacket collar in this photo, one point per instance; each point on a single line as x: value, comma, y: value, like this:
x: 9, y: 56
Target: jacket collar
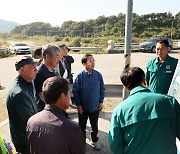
x: 139, y: 89
x: 24, y: 82
x: 87, y: 71
x: 166, y: 59
x: 55, y: 109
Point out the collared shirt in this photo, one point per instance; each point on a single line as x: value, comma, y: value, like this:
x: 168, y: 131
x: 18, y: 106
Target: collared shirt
x: 21, y: 106
x: 159, y: 76
x: 88, y: 73
x: 88, y: 90
x: 53, y: 127
x: 145, y: 123
x: 63, y: 68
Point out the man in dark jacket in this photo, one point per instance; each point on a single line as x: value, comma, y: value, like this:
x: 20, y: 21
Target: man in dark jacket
x: 50, y: 131
x: 46, y: 70
x: 21, y: 103
x: 65, y: 63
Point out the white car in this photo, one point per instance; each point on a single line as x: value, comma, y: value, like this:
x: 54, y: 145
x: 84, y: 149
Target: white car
x: 19, y: 48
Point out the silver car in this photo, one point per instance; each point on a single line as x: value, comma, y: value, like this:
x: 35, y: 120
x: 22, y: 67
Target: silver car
x: 20, y: 48
x: 150, y: 45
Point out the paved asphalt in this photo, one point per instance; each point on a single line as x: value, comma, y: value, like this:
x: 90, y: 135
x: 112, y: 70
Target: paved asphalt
x: 110, y: 66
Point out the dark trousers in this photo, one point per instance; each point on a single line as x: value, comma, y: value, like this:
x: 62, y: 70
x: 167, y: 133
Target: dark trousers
x: 93, y: 118
x: 22, y: 150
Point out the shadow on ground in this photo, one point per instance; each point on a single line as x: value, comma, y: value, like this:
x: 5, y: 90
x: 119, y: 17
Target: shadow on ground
x: 104, y: 120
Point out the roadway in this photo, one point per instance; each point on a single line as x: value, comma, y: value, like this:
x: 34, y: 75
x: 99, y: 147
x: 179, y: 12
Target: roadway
x: 110, y: 65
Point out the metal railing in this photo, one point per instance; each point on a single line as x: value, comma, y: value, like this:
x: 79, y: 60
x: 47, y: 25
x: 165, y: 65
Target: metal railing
x: 86, y: 48
x: 3, y: 49
x: 121, y: 45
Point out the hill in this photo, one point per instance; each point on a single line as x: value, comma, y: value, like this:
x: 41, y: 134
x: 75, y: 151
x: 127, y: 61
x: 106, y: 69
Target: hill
x: 7, y: 26
x: 143, y: 26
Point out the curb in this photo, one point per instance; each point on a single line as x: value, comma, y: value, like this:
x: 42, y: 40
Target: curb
x: 3, y: 123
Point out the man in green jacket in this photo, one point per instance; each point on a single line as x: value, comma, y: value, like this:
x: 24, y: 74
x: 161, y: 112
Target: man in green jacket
x: 21, y: 103
x: 160, y: 70
x: 146, y: 122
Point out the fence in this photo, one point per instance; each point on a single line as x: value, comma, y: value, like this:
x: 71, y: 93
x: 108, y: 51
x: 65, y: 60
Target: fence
x: 3, y: 49
x: 121, y: 45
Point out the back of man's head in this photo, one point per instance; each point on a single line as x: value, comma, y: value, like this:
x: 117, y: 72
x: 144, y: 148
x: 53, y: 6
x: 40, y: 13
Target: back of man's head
x: 132, y: 77
x: 37, y: 52
x: 53, y: 87
x: 50, y: 50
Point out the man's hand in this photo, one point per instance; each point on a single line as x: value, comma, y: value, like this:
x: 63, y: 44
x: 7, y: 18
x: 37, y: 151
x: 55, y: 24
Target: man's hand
x: 80, y: 109
x: 100, y: 106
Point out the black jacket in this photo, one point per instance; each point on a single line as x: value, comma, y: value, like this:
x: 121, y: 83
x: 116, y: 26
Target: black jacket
x: 68, y: 61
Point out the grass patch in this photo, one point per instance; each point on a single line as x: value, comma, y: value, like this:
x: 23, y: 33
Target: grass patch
x: 4, y: 54
x: 90, y: 52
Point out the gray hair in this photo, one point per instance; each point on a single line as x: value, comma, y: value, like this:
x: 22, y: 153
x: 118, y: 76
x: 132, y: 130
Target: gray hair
x: 50, y: 50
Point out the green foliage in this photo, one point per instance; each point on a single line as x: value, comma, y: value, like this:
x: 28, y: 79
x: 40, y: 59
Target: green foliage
x: 4, y: 44
x: 76, y: 42
x: 148, y: 25
x: 67, y: 39
x: 5, y: 54
x: 57, y: 38
x: 90, y: 52
x: 86, y: 40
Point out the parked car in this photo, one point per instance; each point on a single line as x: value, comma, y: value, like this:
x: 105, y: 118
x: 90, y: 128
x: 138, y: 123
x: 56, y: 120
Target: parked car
x: 20, y: 48
x: 150, y: 45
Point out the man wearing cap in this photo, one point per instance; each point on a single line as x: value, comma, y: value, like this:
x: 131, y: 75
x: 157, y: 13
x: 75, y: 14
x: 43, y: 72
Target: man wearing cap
x: 160, y: 70
x: 21, y: 103
x: 45, y: 71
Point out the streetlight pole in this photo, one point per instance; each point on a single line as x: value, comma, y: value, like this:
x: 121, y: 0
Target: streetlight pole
x: 172, y: 25
x: 128, y: 32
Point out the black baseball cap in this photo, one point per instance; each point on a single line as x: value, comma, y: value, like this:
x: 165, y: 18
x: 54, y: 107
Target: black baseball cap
x: 25, y: 61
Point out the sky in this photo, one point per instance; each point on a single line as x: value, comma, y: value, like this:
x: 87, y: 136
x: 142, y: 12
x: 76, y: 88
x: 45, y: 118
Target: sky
x: 56, y: 12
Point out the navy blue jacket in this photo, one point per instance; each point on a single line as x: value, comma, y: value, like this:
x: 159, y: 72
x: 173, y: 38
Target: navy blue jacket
x: 89, y: 90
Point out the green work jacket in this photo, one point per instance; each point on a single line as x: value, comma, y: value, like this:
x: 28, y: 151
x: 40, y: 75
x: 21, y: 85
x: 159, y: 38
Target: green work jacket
x: 158, y: 76
x: 145, y: 123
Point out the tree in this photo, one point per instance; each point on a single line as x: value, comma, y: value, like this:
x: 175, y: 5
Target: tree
x: 100, y: 20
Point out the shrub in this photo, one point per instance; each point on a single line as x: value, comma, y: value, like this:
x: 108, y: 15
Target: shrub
x: 57, y: 38
x: 4, y: 54
x: 76, y: 42
x: 66, y: 39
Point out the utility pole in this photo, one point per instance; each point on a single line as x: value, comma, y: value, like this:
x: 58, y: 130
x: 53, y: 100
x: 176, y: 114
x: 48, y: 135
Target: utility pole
x: 128, y: 32
x: 47, y: 34
x: 84, y: 30
x: 172, y: 26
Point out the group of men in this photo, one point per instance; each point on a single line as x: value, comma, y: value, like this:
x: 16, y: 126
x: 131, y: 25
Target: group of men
x: 39, y: 98
x: 146, y: 122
